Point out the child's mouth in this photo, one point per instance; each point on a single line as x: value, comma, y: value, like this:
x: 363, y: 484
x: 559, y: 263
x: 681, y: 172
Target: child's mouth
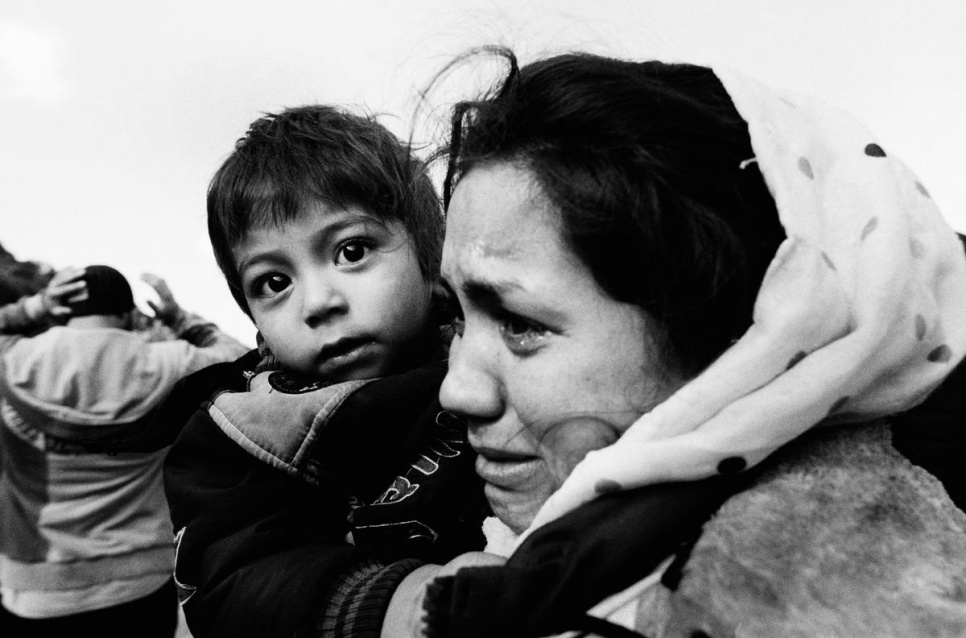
x: 345, y: 354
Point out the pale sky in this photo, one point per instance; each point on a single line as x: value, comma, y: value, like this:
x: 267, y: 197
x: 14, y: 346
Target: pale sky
x: 114, y: 115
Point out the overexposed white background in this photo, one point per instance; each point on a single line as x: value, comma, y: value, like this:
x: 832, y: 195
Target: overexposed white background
x: 115, y: 114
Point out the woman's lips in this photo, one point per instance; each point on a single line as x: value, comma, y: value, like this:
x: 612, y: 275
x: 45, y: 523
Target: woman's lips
x: 516, y: 484
x: 506, y: 471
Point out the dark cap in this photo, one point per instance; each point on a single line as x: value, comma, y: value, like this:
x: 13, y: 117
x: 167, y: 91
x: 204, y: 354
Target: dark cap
x: 108, y: 293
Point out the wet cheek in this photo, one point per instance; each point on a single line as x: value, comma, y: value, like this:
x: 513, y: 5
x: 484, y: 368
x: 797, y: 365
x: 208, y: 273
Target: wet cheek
x: 566, y: 444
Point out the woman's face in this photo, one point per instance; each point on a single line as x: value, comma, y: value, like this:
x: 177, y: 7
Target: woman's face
x: 546, y: 366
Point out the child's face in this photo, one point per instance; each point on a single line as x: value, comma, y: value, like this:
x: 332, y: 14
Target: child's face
x: 337, y: 293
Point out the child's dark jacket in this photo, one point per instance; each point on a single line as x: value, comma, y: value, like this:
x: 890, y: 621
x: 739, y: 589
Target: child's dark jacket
x: 265, y: 476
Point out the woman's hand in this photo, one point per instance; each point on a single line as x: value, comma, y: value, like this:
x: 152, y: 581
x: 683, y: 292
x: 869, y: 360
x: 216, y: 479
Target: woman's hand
x: 166, y: 309
x: 404, y: 617
x: 64, y: 288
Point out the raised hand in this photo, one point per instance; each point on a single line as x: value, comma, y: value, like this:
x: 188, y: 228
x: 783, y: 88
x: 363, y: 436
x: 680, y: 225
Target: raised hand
x: 65, y: 287
x: 166, y: 309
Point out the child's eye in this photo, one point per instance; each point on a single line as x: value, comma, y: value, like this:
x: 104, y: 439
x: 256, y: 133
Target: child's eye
x: 521, y: 336
x: 352, y: 251
x: 270, y: 285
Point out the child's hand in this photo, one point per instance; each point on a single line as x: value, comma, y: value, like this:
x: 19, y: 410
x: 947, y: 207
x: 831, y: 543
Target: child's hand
x: 167, y: 309
x: 64, y: 288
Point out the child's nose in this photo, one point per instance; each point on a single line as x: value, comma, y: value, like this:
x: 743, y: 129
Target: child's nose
x: 321, y: 300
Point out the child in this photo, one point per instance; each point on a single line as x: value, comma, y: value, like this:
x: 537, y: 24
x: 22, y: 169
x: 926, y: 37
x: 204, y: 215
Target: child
x: 329, y: 234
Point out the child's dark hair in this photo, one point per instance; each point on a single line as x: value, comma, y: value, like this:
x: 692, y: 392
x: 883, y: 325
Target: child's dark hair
x: 644, y: 162
x: 290, y: 160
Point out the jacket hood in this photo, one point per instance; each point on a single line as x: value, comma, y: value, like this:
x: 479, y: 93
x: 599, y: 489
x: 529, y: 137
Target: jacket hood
x: 94, y: 377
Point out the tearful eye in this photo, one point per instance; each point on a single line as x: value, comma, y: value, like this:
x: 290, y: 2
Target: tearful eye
x: 516, y: 327
x: 521, y: 336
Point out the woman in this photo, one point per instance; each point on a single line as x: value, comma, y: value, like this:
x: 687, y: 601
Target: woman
x: 614, y: 245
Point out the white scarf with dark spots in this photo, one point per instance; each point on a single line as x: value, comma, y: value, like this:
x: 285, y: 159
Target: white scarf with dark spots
x: 862, y: 312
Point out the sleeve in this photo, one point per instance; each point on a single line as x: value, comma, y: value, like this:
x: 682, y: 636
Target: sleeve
x: 20, y: 318
x: 567, y: 566
x: 261, y: 553
x: 166, y: 423
x: 200, y: 343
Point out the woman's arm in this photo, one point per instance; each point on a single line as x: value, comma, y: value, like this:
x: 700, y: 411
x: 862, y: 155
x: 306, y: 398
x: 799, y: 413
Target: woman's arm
x: 570, y: 564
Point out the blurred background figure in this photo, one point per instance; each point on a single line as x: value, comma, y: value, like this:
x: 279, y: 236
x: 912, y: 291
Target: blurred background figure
x: 85, y: 537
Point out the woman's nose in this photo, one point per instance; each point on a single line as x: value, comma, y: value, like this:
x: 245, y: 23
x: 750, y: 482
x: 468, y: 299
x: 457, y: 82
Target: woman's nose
x: 322, y: 299
x: 471, y: 386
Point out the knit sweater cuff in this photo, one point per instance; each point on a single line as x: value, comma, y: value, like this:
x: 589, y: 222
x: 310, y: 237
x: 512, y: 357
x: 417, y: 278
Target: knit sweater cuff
x: 23, y: 316
x: 356, y: 605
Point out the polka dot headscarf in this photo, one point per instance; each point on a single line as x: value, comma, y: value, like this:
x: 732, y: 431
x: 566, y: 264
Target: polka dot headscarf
x: 861, y: 314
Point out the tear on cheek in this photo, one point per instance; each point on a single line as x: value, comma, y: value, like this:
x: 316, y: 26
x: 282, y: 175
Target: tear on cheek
x: 567, y: 443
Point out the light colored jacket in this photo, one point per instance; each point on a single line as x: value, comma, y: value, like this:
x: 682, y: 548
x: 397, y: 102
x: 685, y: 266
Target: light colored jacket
x: 81, y: 530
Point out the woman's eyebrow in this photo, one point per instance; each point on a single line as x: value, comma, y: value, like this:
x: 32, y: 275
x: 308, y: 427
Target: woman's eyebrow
x: 484, y: 288
x: 489, y: 294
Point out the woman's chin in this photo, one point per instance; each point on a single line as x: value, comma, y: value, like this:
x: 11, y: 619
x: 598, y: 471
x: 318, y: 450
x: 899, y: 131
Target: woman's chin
x: 515, y: 509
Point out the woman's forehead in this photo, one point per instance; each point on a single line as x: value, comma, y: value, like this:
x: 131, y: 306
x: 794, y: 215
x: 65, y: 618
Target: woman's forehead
x: 498, y: 214
x: 502, y: 244
x: 500, y: 209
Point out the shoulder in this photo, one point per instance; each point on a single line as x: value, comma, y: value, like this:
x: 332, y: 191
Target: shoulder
x: 840, y: 534
x: 183, y: 407
x: 279, y: 417
x: 92, y: 376
x: 932, y: 435
x: 197, y: 388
